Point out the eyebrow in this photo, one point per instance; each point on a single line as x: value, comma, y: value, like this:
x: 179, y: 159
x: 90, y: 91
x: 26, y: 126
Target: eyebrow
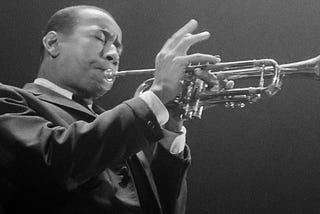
x: 116, y: 42
x: 118, y: 45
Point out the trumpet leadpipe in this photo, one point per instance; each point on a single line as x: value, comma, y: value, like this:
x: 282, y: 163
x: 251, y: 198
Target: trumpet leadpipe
x: 135, y: 72
x: 111, y: 74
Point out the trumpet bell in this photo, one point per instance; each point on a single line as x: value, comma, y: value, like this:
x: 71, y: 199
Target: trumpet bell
x: 306, y: 69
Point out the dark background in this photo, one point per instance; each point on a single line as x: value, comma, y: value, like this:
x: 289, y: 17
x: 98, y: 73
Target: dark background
x: 261, y: 159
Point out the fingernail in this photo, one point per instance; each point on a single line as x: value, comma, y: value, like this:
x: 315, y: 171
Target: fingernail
x: 193, y: 20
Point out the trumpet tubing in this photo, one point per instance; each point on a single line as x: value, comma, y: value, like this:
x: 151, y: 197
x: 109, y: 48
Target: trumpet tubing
x: 196, y: 96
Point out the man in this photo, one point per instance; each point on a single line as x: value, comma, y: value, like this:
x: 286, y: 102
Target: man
x: 60, y: 153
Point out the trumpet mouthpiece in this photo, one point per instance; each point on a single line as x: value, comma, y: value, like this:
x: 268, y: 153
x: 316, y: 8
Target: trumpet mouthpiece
x: 109, y: 74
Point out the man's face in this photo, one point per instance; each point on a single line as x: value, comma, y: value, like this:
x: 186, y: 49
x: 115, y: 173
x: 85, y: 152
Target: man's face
x: 87, y: 52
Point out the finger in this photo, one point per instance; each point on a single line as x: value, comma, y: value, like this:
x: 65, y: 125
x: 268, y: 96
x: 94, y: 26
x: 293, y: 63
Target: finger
x: 198, y: 58
x: 222, y: 79
x: 224, y: 82
x: 177, y: 36
x: 186, y: 42
x: 229, y: 84
x: 210, y: 79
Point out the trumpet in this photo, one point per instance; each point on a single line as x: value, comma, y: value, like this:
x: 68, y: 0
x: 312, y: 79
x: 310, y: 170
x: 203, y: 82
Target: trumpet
x: 196, y: 95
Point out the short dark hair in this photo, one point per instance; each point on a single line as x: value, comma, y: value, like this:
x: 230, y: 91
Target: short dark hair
x: 65, y: 20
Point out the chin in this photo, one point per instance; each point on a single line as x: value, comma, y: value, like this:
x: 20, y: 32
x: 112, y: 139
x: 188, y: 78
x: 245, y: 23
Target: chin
x: 102, y: 91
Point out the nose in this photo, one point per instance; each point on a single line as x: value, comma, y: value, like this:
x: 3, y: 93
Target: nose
x: 111, y: 54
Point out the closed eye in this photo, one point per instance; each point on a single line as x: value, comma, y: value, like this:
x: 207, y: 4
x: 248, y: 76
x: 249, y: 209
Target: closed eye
x: 100, y: 39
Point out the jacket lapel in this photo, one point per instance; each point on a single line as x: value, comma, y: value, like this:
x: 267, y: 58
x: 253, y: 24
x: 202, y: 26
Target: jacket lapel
x: 144, y: 182
x: 50, y: 96
x: 146, y: 165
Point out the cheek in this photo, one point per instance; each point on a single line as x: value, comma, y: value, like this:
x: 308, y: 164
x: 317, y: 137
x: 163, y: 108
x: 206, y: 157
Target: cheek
x: 90, y: 56
x: 86, y: 53
x: 74, y: 59
x: 94, y: 77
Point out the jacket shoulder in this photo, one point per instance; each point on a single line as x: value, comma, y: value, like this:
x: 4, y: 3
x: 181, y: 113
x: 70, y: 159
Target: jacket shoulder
x: 12, y: 91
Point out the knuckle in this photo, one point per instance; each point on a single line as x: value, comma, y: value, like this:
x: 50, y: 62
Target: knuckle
x: 176, y: 60
x: 170, y: 56
x: 161, y: 55
x: 181, y: 61
x: 187, y: 40
x: 175, y: 35
x: 197, y: 55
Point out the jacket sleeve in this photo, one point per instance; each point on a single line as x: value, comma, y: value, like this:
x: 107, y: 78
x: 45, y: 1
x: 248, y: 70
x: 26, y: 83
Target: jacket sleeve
x: 32, y: 136
x: 170, y: 172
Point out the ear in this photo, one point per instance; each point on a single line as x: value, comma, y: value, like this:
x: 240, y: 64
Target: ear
x: 51, y: 43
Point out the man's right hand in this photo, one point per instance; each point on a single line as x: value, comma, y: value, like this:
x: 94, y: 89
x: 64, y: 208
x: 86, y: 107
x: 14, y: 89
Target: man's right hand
x: 172, y: 60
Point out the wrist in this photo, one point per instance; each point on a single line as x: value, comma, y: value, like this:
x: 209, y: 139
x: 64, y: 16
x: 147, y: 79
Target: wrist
x: 158, y: 92
x: 174, y: 126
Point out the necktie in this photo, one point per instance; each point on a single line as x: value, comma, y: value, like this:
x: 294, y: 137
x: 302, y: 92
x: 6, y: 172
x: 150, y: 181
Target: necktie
x: 82, y: 102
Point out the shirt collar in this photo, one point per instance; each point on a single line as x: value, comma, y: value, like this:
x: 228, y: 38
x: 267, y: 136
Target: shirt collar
x: 48, y: 84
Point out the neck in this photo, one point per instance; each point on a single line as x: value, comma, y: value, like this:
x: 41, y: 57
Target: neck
x: 52, y: 73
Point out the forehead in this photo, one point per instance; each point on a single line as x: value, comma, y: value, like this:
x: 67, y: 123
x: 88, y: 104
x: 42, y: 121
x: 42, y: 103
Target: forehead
x: 96, y: 19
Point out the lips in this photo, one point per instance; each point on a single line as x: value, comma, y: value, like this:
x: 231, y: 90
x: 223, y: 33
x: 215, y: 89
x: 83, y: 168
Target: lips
x: 103, y: 69
x: 109, y: 75
x: 108, y: 71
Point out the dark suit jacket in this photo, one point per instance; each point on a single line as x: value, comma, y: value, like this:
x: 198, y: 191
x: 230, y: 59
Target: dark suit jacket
x: 54, y: 154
